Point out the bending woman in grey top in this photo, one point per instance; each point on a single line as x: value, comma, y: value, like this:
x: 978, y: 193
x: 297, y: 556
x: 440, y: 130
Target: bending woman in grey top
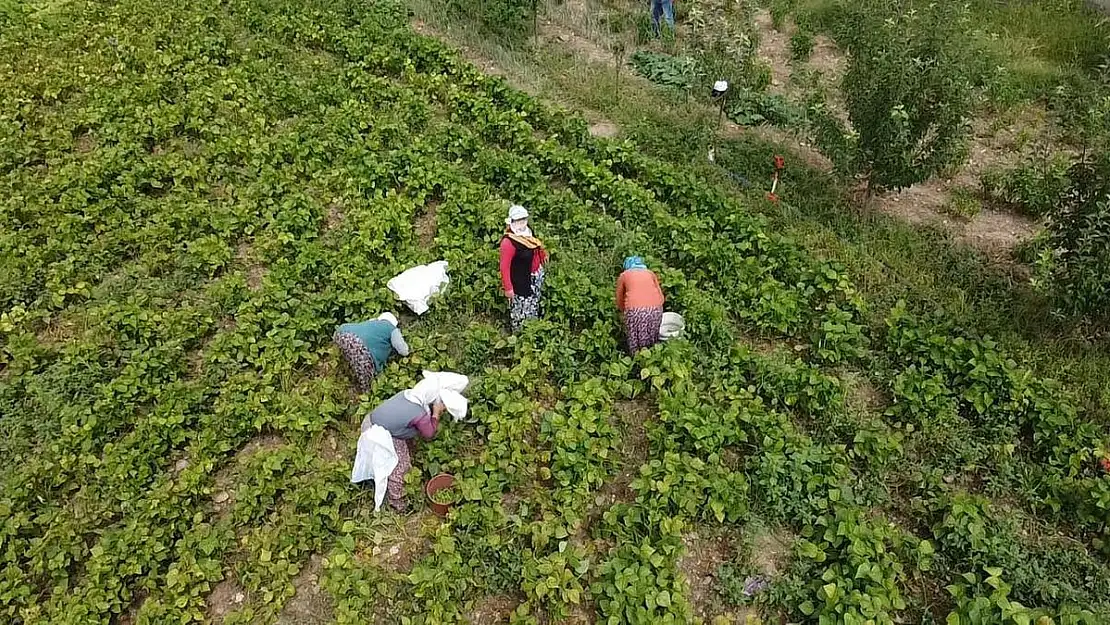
x: 404, y: 420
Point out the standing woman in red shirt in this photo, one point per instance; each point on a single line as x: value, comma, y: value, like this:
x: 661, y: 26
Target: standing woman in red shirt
x: 522, y: 267
x: 640, y: 299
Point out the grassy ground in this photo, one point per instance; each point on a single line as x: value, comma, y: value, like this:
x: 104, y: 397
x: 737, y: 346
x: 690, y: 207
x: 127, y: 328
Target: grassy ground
x: 1036, y: 45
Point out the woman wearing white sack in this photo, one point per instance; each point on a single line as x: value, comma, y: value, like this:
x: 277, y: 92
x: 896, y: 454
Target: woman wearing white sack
x: 367, y: 345
x: 522, y: 267
x: 406, y: 415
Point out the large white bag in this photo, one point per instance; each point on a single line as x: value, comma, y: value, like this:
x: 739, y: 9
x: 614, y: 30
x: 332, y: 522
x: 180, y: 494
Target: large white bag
x: 672, y: 326
x: 415, y: 286
x: 445, y: 386
x: 375, y: 460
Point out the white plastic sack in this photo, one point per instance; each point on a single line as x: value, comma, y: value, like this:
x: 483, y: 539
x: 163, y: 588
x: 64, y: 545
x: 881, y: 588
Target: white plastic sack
x: 415, y: 286
x: 672, y: 326
x: 444, y: 386
x: 375, y: 460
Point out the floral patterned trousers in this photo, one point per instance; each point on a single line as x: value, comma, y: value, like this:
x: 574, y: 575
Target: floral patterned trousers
x: 642, y: 326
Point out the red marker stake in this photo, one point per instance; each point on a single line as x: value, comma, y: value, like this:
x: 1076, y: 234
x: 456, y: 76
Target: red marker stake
x: 780, y: 163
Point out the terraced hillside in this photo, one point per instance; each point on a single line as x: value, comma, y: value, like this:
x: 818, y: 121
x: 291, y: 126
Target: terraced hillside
x: 195, y: 195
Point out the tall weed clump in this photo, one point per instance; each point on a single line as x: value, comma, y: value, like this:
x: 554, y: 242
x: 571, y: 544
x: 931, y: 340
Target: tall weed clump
x: 511, y: 20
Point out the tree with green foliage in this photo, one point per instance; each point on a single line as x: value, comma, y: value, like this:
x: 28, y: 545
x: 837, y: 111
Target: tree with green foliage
x: 1073, y: 268
x: 908, y: 93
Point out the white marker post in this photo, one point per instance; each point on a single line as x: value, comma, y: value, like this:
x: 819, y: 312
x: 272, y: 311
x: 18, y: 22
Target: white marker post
x: 720, y: 88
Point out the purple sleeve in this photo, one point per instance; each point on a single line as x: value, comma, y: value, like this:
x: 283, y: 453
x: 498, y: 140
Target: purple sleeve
x: 425, y: 425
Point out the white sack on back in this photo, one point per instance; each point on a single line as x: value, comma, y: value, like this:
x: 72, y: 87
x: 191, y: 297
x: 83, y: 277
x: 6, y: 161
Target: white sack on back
x: 375, y: 460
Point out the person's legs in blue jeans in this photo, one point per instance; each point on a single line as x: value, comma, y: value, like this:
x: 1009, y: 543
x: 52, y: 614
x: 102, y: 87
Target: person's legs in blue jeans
x: 664, y: 9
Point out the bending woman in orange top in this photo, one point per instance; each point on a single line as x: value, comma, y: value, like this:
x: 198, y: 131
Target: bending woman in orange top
x: 640, y: 298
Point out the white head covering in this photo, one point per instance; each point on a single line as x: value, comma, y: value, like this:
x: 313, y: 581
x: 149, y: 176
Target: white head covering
x: 387, y: 316
x: 442, y: 386
x: 516, y: 213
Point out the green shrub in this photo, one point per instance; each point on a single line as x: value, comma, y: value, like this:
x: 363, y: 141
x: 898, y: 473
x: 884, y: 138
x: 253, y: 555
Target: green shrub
x: 1034, y: 188
x: 908, y: 94
x: 1082, y: 109
x: 509, y: 19
x: 678, y: 72
x: 801, y: 44
x: 962, y: 204
x: 752, y: 108
x: 985, y: 600
x: 1074, y: 267
x: 639, y: 583
x: 779, y: 9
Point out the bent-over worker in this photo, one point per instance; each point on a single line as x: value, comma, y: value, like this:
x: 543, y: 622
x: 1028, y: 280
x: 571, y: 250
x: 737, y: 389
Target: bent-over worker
x: 405, y: 416
x: 367, y: 345
x: 640, y: 299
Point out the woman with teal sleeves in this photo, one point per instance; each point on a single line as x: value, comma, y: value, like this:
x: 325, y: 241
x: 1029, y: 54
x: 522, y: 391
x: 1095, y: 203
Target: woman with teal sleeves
x: 367, y: 345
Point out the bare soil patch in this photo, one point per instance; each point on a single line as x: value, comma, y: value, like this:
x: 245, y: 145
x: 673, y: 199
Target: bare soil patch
x: 999, y: 231
x: 604, y: 129
x: 560, y: 35
x: 828, y: 60
x: 633, y: 414
x: 770, y: 551
x: 493, y: 609
x: 992, y: 231
x: 574, y: 24
x: 258, y: 443
x: 582, y: 614
x: 774, y: 47
x: 60, y: 331
x: 700, y: 560
x: 425, y: 224
x: 84, y: 144
x: 131, y: 615
x: 334, y: 216
x: 861, y: 393
x: 225, y: 598
x: 255, y: 275
x: 255, y: 270
x: 310, y: 605
x: 330, y: 448
x: 405, y: 544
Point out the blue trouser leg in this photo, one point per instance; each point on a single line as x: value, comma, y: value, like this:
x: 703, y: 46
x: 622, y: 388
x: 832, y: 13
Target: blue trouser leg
x: 668, y: 12
x: 662, y: 9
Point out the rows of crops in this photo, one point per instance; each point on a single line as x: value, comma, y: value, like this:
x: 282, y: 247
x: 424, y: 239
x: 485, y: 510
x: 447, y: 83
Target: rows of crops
x: 194, y: 196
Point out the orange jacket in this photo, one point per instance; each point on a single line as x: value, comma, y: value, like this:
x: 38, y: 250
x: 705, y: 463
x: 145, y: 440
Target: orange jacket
x: 638, y: 288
